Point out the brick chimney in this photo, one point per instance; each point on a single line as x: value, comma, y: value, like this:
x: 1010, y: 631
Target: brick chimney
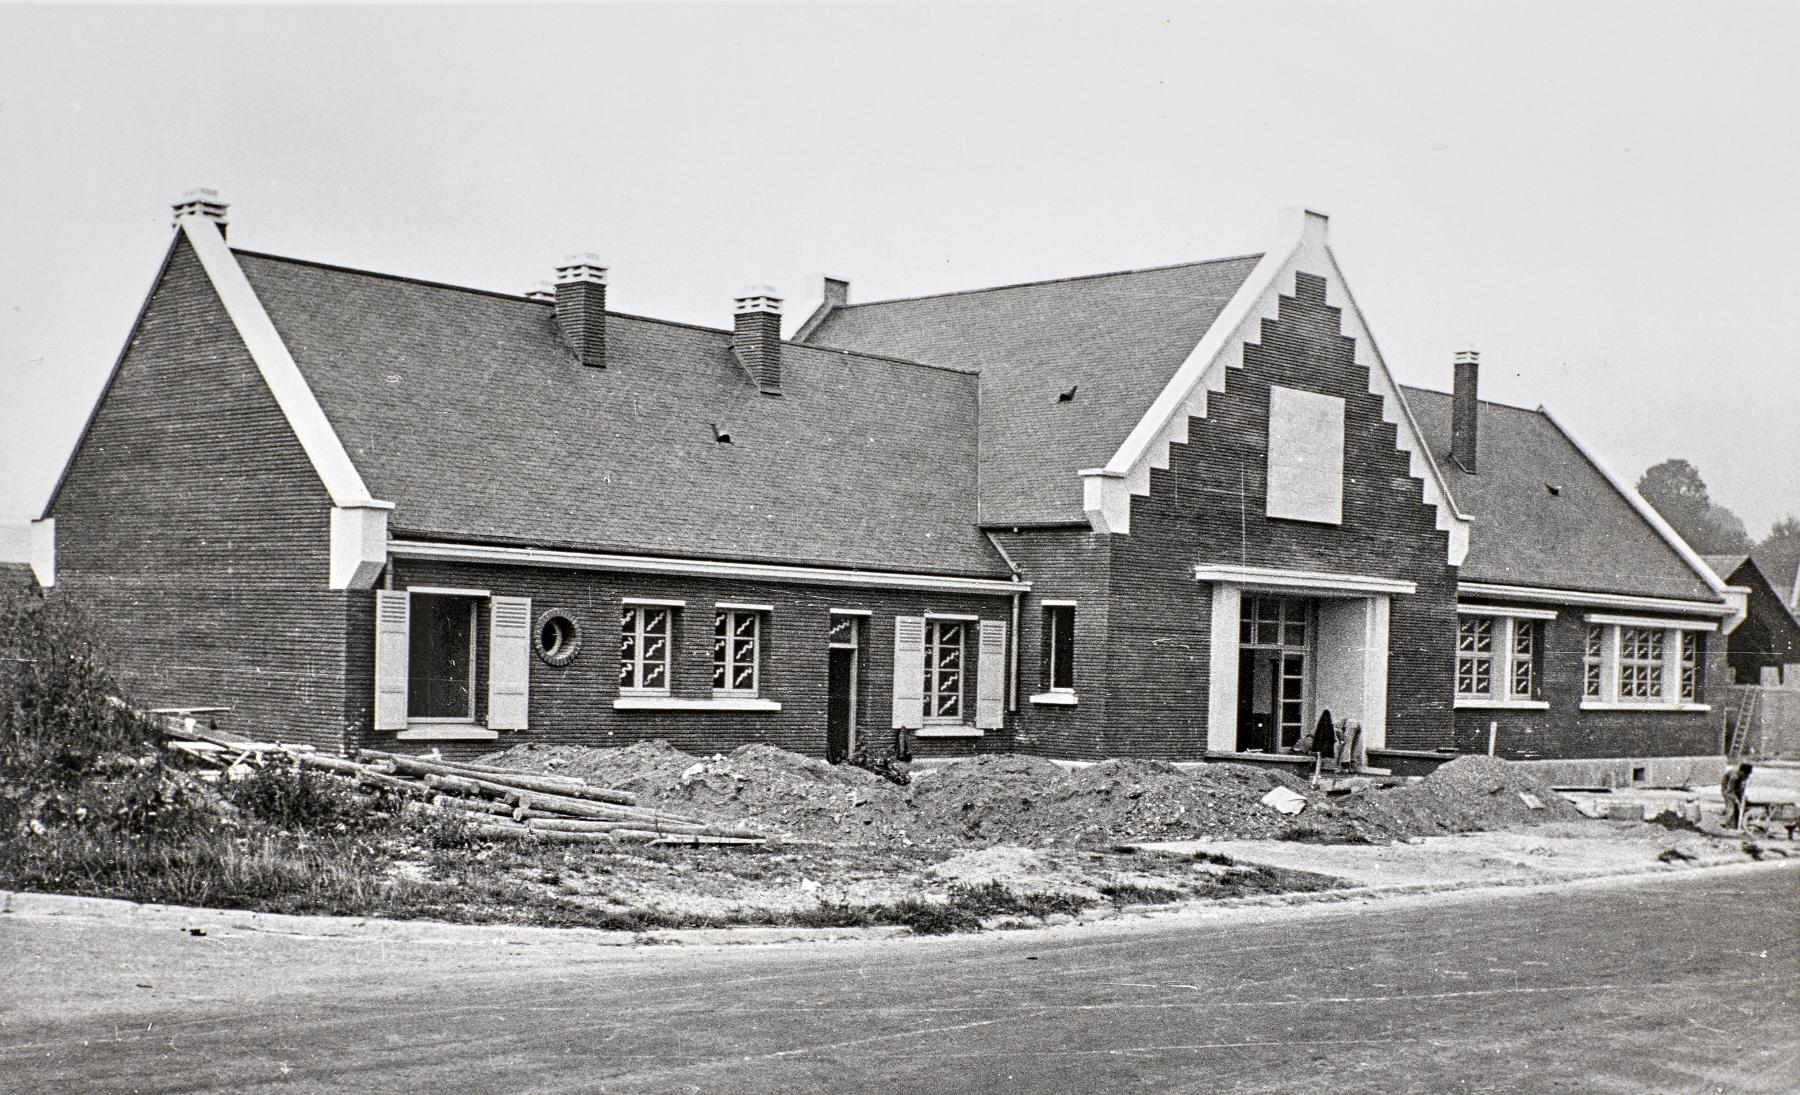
x: 1463, y: 407
x: 756, y: 336
x: 581, y: 307
x: 202, y: 203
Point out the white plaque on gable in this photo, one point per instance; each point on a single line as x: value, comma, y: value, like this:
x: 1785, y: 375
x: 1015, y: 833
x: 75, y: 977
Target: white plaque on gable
x: 1306, y: 456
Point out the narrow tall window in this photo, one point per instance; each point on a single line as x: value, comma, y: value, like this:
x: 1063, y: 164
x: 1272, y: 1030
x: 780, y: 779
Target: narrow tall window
x: 944, y: 669
x: 1690, y: 666
x: 1475, y: 656
x: 1059, y: 648
x: 1524, y: 659
x: 644, y: 634
x: 737, y: 651
x: 1591, y: 662
x: 1640, y: 663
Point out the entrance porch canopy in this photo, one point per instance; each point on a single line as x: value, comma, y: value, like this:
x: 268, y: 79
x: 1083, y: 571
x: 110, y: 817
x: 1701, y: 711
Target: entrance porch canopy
x: 1350, y: 643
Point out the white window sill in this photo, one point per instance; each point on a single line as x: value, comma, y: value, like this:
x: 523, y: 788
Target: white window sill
x: 449, y: 731
x: 1056, y: 699
x: 1478, y: 704
x: 714, y: 703
x: 1690, y: 708
x: 949, y: 731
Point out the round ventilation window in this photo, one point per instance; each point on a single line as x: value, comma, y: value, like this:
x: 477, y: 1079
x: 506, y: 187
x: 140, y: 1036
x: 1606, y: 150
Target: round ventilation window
x: 556, y: 638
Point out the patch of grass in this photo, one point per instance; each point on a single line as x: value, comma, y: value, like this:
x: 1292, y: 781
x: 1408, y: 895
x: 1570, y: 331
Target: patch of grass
x: 994, y: 898
x: 302, y: 800
x: 1217, y: 858
x: 1257, y: 880
x: 1133, y: 893
x: 924, y: 917
x: 1302, y: 833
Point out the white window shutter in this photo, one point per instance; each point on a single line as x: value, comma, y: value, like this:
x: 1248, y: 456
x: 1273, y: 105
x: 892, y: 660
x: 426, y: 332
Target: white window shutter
x: 391, y: 650
x: 990, y: 673
x: 909, y: 672
x: 509, y: 662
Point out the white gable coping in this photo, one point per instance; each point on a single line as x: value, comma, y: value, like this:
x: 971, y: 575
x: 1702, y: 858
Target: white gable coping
x: 358, y: 520
x: 1107, y: 491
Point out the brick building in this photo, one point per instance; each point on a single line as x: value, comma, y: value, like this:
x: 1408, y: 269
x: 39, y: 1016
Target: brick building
x: 1173, y: 513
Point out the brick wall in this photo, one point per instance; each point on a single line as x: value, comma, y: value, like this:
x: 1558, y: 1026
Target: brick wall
x: 1208, y: 506
x: 192, y: 526
x: 1566, y: 731
x: 1063, y: 564
x: 573, y: 704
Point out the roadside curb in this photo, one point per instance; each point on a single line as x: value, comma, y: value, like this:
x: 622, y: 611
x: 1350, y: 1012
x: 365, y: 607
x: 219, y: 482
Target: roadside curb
x: 204, y: 921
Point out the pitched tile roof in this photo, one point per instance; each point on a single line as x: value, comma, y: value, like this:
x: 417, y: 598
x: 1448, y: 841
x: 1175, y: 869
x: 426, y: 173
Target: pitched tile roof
x: 1780, y: 563
x: 466, y: 410
x: 1724, y: 565
x: 1580, y: 535
x: 1116, y: 339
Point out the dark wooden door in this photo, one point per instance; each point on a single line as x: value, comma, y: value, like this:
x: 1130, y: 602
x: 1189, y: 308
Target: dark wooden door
x: 840, y: 704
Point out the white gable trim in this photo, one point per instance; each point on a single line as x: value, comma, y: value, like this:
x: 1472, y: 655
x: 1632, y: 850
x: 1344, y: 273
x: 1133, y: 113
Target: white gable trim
x: 1644, y: 510
x: 358, y: 529
x: 1107, y: 491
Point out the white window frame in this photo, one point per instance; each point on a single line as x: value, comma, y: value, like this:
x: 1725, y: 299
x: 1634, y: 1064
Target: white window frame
x: 729, y: 615
x: 1670, y: 666
x: 1055, y: 639
x: 1506, y: 624
x: 638, y: 611
x: 934, y: 626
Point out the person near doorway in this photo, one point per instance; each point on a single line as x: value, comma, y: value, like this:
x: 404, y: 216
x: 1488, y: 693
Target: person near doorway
x: 1324, y: 742
x: 1733, y: 785
x: 1350, y: 746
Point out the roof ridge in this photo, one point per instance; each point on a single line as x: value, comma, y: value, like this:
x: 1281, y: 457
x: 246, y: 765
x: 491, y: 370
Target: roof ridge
x: 1050, y: 281
x: 1490, y: 402
x: 523, y: 299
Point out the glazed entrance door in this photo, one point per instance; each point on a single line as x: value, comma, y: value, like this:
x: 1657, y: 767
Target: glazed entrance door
x: 1274, y: 672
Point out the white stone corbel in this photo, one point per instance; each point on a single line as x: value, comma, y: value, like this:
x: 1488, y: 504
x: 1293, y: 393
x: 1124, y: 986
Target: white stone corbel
x: 358, y: 543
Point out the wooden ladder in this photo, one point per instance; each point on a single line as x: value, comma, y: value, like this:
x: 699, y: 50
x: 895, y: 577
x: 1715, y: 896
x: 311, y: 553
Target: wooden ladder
x: 1742, y: 721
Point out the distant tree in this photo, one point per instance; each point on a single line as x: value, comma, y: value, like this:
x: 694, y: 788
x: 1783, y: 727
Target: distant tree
x: 1786, y: 528
x: 1675, y: 488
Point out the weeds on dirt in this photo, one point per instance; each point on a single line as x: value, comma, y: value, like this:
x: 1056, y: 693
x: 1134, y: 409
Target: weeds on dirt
x: 985, y: 899
x: 1134, y: 893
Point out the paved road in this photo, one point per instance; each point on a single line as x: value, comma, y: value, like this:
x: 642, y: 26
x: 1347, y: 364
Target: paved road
x: 1680, y: 982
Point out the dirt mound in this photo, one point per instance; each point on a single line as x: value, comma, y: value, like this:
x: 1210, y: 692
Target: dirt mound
x: 637, y: 768
x: 1032, y: 801
x: 1464, y: 795
x: 1008, y: 799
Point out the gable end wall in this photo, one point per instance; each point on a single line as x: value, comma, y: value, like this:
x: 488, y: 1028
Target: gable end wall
x: 193, y: 528
x: 1208, y: 506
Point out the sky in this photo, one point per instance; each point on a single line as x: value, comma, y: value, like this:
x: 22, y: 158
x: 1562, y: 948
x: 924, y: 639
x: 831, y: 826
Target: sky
x: 1600, y: 197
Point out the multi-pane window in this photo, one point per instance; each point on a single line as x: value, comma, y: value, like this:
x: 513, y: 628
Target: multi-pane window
x: 644, y: 634
x: 737, y: 650
x: 1059, y: 648
x: 944, y: 669
x: 1496, y: 658
x: 1690, y: 666
x: 1524, y: 658
x: 1475, y: 656
x: 1591, y: 660
x: 1640, y: 663
x: 1273, y: 622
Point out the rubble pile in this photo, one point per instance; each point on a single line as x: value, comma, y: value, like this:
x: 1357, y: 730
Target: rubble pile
x: 987, y: 800
x: 1464, y: 795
